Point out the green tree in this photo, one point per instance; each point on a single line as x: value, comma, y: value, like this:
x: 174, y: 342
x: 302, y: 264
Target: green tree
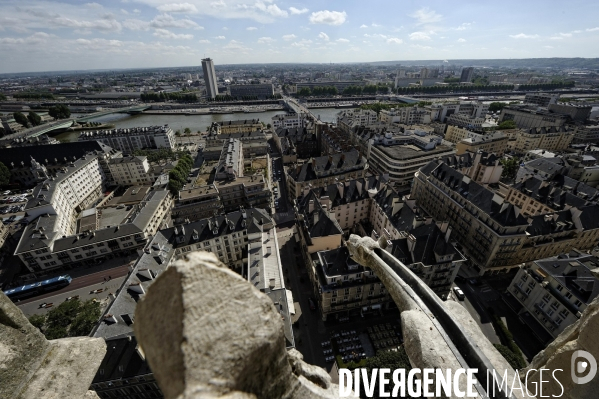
x: 59, y: 111
x: 34, y: 118
x: 69, y: 319
x: 510, y: 168
x: 509, y: 124
x: 2, y: 97
x: 38, y: 320
x: 21, y: 119
x: 496, y: 106
x: 187, y: 131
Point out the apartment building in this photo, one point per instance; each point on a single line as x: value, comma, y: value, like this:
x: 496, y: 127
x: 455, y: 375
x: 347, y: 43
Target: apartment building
x: 488, y: 229
x: 553, y: 138
x: 350, y: 201
x: 131, y: 139
x: 230, y: 164
x: 34, y: 164
x: 526, y: 116
x: 340, y: 85
x: 121, y: 230
x: 296, y: 142
x: 495, y: 142
x: 555, y: 291
x: 429, y: 253
x: 574, y: 111
x: 342, y: 287
x: 334, y: 140
x: 318, y: 229
x: 261, y: 91
x: 461, y: 120
x: 494, y: 234
x: 406, y: 115
x: 587, y: 132
x: 75, y: 187
x: 195, y: 203
x: 237, y: 126
x: 124, y: 373
x: 536, y: 196
x: 401, y: 155
x: 482, y: 167
x: 325, y: 170
x: 244, y: 240
x: 288, y: 121
x: 348, y: 119
x: 541, y: 99
x: 133, y: 170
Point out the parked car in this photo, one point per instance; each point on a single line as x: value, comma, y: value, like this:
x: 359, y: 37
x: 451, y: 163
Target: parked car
x: 474, y: 281
x: 458, y: 293
x: 312, y: 304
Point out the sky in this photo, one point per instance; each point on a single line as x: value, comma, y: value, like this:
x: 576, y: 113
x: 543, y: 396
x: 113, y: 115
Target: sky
x: 50, y: 35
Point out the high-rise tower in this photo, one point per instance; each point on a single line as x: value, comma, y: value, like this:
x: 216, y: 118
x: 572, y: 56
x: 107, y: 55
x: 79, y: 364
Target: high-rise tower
x: 210, y: 78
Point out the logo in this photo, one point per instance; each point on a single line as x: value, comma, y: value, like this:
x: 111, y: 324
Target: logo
x: 583, y: 362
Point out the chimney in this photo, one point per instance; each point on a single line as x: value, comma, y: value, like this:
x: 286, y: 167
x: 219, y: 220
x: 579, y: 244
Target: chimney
x: 311, y: 206
x: 411, y: 243
x: 316, y: 216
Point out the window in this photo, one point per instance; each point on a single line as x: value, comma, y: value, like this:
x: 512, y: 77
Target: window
x: 546, y: 297
x: 555, y: 305
x: 560, y: 288
x: 568, y: 295
x: 577, y: 303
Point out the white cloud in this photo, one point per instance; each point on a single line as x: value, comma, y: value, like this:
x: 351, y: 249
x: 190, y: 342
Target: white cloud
x: 266, y: 40
x: 124, y: 11
x: 204, y: 41
x: 395, y: 40
x: 426, y: 16
x: 422, y: 36
x: 178, y: 8
x: 295, y: 11
x: 236, y: 46
x: 107, y: 23
x: 93, y: 5
x: 271, y: 9
x: 167, y: 21
x: 327, y: 17
x: 225, y: 28
x: 375, y: 25
x: 342, y: 40
x: 524, y: 36
x: 95, y: 44
x: 220, y: 37
x: 592, y: 29
x: 36, y: 38
x: 460, y: 40
x: 421, y: 47
x: 302, y: 43
x: 136, y: 11
x: 289, y: 37
x: 565, y: 34
x: 136, y: 24
x: 363, y: 26
x: 167, y: 34
x: 323, y: 36
x: 376, y: 35
x: 547, y: 46
x: 464, y: 26
x: 251, y: 28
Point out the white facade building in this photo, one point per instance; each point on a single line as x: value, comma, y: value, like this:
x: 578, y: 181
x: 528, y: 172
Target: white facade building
x: 130, y: 139
x: 130, y: 170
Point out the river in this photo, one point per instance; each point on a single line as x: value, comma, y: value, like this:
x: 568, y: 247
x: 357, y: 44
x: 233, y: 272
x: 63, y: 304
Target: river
x: 194, y: 122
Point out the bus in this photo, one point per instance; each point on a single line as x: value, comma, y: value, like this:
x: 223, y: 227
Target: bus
x: 29, y: 290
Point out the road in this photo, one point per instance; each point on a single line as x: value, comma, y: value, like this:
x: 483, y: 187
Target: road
x: 83, y: 282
